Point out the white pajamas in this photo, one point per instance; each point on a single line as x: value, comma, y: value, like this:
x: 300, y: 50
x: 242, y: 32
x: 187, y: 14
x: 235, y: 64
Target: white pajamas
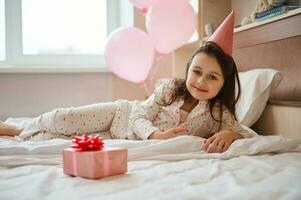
x: 77, y: 120
x: 132, y: 119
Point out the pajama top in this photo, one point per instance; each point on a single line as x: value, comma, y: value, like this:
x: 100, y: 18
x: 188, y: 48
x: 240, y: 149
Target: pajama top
x: 137, y: 120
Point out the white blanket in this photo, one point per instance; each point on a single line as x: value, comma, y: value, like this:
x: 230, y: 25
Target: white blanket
x: 170, y: 169
x: 14, y: 153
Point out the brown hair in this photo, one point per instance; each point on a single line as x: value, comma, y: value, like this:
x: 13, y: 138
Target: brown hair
x: 226, y: 96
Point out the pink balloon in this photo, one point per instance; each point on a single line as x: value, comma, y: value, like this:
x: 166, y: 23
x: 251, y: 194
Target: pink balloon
x: 143, y: 4
x: 129, y: 53
x: 171, y: 23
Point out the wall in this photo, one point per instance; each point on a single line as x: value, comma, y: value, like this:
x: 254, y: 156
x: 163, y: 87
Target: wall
x: 28, y: 94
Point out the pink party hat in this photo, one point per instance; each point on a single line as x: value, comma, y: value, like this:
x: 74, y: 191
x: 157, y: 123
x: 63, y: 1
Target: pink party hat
x: 223, y: 36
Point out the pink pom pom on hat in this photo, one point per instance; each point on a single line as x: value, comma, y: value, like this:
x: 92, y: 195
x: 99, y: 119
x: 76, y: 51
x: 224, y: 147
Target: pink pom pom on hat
x: 223, y: 36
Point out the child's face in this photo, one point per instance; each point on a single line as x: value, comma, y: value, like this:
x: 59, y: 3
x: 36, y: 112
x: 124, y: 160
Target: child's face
x: 204, y: 77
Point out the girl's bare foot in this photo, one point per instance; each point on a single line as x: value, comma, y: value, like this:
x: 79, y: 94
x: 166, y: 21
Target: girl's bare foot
x: 9, y: 130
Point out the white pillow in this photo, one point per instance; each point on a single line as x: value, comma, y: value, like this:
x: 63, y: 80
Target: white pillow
x: 256, y: 86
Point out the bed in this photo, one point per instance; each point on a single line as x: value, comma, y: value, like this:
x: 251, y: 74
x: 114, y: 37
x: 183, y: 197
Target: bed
x: 265, y: 167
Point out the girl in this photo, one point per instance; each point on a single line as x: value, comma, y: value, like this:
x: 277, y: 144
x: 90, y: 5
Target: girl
x: 202, y: 105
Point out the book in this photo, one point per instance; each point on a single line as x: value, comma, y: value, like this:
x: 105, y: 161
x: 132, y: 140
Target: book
x: 270, y: 11
x: 270, y: 15
x: 276, y: 10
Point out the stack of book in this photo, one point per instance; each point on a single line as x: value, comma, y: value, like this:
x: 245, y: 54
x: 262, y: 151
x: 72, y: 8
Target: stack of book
x: 273, y: 12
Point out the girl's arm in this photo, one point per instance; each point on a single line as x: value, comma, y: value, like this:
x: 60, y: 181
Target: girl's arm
x: 229, y: 123
x: 231, y: 130
x: 145, y: 112
x: 170, y: 133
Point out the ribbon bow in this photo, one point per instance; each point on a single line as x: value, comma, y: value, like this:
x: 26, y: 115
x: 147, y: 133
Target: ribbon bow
x: 87, y: 142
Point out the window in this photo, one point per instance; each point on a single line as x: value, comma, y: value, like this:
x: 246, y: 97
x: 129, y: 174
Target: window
x: 77, y: 27
x: 55, y: 32
x: 2, y: 31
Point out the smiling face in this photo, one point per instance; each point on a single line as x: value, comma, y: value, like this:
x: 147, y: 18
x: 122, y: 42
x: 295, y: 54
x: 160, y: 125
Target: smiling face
x: 204, y: 77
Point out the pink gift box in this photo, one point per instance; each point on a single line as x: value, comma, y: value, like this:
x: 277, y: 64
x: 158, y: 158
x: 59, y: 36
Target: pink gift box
x: 95, y: 164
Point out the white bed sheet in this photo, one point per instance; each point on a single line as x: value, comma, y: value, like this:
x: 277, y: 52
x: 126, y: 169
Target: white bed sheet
x: 263, y: 168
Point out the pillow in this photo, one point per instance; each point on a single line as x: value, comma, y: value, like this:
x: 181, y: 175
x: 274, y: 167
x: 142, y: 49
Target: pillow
x: 256, y: 86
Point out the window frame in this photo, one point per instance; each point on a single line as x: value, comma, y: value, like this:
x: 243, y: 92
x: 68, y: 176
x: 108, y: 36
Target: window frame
x: 13, y: 32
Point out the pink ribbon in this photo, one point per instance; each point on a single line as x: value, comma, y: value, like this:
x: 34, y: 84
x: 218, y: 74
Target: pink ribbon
x: 74, y: 164
x: 106, y: 163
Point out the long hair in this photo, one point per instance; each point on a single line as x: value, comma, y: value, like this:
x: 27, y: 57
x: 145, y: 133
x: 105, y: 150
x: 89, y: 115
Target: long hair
x: 226, y: 97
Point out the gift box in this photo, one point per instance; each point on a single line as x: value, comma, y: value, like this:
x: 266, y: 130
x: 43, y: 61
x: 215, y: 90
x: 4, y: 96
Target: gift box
x: 93, y: 162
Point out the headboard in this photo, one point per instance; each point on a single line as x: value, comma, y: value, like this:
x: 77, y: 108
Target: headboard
x: 275, y: 44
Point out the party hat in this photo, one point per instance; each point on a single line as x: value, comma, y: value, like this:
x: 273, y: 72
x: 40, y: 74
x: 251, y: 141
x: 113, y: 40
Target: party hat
x: 223, y: 36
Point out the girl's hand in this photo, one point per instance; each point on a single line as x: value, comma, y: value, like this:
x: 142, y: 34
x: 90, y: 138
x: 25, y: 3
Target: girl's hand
x: 220, y: 141
x: 170, y: 133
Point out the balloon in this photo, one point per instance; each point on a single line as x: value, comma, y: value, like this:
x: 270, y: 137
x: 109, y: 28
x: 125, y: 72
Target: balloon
x: 170, y: 23
x: 143, y: 4
x: 129, y: 53
x: 158, y: 55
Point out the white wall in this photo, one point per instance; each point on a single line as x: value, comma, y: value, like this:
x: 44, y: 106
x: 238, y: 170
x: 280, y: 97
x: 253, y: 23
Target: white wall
x: 30, y: 94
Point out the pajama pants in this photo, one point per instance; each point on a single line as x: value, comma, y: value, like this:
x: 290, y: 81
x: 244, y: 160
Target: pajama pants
x: 77, y: 120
